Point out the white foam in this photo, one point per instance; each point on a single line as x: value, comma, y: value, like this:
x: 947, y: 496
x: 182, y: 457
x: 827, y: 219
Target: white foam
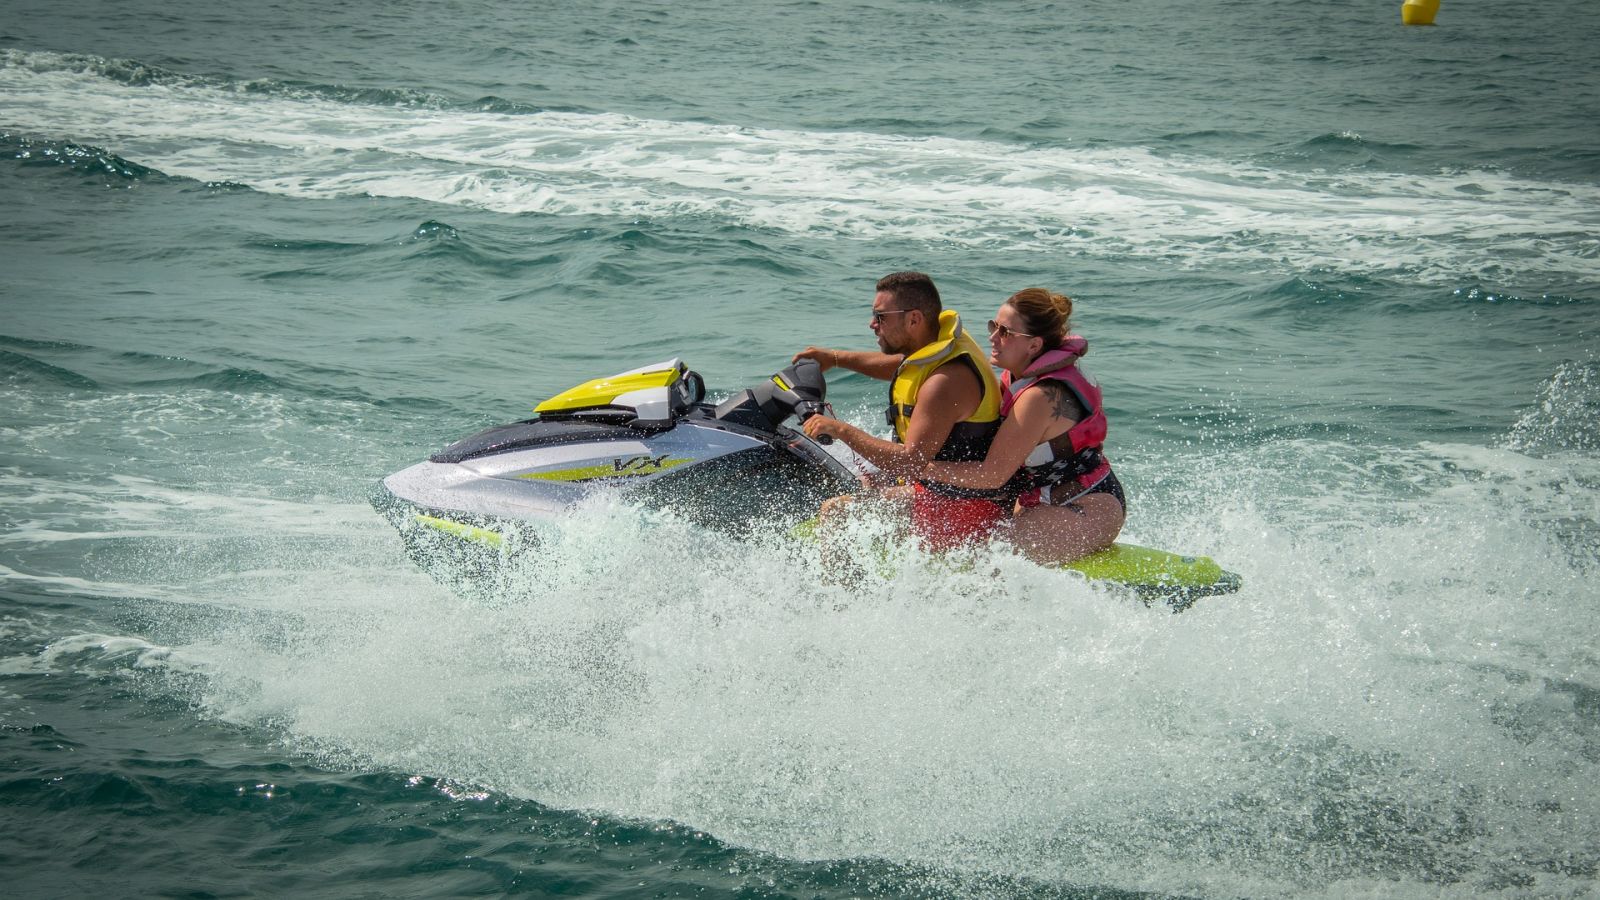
x: 1395, y: 666
x: 1398, y: 671
x: 1125, y: 202
x: 95, y: 653
x: 1411, y: 650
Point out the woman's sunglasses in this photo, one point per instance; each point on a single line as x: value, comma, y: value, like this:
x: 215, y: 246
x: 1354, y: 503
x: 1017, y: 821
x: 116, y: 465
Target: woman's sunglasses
x: 996, y: 328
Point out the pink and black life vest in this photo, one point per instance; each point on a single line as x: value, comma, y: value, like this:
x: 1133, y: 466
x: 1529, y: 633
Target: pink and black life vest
x: 1085, y: 464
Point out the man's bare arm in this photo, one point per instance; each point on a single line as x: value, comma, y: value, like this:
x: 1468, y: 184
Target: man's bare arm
x: 871, y: 363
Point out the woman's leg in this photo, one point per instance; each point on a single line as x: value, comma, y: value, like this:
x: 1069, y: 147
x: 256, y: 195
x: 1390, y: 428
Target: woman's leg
x: 1059, y: 534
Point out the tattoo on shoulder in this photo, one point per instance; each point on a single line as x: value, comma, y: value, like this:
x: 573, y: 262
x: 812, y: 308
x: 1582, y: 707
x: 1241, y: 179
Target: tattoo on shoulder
x: 1063, y: 404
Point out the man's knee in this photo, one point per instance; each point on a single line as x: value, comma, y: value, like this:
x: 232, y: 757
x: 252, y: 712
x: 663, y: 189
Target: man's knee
x: 834, y: 507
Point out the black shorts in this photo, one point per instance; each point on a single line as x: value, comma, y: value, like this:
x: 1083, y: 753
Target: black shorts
x: 1107, y: 485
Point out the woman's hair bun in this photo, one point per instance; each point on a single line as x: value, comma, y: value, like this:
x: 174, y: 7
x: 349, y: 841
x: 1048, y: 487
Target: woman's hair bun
x: 1045, y: 312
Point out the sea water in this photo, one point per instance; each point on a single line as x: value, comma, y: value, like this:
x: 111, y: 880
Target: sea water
x: 1339, y: 278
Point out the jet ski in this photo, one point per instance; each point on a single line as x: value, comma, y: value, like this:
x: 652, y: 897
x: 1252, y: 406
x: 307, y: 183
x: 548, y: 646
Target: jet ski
x: 648, y: 436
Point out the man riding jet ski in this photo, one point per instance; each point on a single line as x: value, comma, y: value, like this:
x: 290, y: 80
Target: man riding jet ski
x: 944, y: 404
x: 649, y: 436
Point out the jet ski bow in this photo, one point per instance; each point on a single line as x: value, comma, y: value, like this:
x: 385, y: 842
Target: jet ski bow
x: 648, y: 436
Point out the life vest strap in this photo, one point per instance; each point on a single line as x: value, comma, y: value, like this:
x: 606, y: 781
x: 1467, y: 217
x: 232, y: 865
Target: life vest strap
x: 895, y: 411
x: 1084, y: 462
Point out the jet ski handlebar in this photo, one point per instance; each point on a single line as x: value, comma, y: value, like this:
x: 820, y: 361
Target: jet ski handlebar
x: 800, y: 391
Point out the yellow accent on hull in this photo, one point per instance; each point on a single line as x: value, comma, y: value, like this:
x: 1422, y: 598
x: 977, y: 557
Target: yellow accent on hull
x: 1153, y: 573
x: 626, y: 469
x: 1132, y: 564
x: 602, y: 391
x: 485, y: 536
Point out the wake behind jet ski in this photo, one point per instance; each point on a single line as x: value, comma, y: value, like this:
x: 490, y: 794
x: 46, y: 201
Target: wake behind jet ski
x: 649, y: 437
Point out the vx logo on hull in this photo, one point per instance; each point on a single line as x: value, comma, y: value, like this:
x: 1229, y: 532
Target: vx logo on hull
x: 619, y: 467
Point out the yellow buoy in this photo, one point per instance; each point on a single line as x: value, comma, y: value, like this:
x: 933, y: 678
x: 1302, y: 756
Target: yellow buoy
x: 1419, y: 12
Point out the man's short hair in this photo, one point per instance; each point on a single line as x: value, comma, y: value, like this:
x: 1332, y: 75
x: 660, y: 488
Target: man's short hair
x: 913, y: 290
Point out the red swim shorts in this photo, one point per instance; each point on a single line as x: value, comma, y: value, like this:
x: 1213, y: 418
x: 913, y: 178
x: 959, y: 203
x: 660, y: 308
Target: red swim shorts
x: 944, y: 523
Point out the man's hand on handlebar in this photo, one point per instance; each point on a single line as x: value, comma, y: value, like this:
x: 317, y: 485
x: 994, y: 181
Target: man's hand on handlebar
x: 823, y: 429
x: 822, y: 356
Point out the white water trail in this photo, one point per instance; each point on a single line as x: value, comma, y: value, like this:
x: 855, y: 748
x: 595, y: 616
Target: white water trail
x: 1184, y: 211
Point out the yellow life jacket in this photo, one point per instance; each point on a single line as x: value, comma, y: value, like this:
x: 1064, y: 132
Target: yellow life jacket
x: 969, y: 440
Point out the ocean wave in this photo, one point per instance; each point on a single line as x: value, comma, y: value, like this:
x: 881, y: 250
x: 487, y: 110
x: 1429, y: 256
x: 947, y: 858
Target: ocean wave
x: 133, y: 73
x: 435, y: 231
x: 94, y: 161
x: 37, y: 372
x: 1343, y: 151
x: 1173, y: 207
x: 20, y: 367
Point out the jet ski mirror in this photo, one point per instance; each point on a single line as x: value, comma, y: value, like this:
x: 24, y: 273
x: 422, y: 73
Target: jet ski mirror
x: 694, y: 386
